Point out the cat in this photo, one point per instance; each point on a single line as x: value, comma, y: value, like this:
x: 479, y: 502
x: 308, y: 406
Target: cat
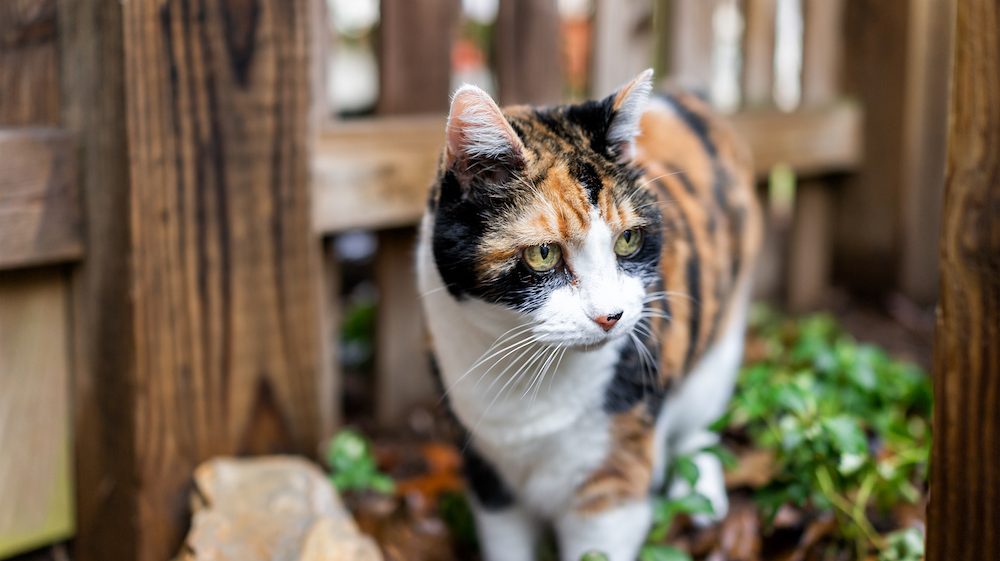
x: 585, y: 275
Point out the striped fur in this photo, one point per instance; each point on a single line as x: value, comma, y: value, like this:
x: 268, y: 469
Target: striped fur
x: 578, y: 176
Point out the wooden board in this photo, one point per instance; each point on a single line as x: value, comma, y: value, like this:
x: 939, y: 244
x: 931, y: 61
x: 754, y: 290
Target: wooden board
x: 203, y: 329
x: 623, y: 43
x: 35, y: 465
x: 29, y: 63
x: 926, y: 132
x: 39, y: 204
x: 528, y: 52
x: 867, y: 224
x: 376, y: 174
x: 964, y: 509
x: 415, y: 55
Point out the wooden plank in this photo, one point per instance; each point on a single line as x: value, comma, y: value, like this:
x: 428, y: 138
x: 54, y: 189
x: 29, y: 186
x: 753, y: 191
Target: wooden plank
x: 528, y: 48
x: 415, y: 55
x: 90, y: 45
x: 758, y: 52
x: 810, y: 246
x: 867, y: 226
x: 376, y: 174
x: 210, y: 343
x: 964, y: 509
x: 39, y: 202
x: 822, y: 51
x: 29, y: 63
x: 402, y: 366
x: 926, y: 125
x: 35, y: 466
x: 693, y: 43
x: 623, y: 43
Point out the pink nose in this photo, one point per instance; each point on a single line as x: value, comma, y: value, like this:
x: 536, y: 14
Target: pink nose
x: 608, y: 321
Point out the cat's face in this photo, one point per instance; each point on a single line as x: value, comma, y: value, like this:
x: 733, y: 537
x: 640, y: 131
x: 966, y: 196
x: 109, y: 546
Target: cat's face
x: 539, y: 211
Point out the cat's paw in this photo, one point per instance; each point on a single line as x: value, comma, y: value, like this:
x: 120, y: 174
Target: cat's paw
x: 711, y: 484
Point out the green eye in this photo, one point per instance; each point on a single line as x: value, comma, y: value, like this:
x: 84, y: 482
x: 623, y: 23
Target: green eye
x: 542, y: 257
x: 629, y: 242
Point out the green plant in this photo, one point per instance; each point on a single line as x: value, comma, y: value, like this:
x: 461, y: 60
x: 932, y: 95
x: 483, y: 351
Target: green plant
x: 352, y: 465
x: 847, y: 425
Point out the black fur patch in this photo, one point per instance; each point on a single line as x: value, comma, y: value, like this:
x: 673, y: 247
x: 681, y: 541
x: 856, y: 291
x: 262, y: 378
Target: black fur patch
x: 586, y: 174
x: 485, y: 483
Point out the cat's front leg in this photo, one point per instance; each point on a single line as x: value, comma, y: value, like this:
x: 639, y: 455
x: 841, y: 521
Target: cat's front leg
x: 711, y: 482
x: 617, y: 531
x: 505, y: 534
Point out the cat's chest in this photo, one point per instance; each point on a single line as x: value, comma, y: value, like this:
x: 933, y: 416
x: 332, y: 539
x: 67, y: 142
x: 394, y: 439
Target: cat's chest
x: 546, y: 471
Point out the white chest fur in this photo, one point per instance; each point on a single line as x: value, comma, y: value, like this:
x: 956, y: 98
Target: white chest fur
x: 543, y: 434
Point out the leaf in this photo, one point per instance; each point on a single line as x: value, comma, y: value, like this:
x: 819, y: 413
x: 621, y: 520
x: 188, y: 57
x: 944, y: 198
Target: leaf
x: 846, y: 434
x: 662, y: 553
x: 594, y: 556
x: 686, y: 469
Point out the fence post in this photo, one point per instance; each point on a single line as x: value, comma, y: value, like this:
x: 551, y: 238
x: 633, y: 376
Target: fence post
x: 964, y: 510
x: 199, y: 327
x: 527, y: 52
x: 415, y: 70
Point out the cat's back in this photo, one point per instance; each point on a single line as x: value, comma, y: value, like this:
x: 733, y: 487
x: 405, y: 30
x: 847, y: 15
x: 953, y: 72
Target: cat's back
x: 702, y: 175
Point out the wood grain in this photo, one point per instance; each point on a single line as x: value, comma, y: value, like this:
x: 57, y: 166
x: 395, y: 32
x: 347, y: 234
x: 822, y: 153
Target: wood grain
x: 925, y: 136
x: 415, y: 55
x: 823, y: 51
x: 209, y: 343
x: 868, y: 220
x: 29, y: 63
x: 40, y: 219
x: 758, y: 52
x: 376, y: 174
x: 527, y: 51
x: 623, y: 42
x: 35, y: 465
x: 964, y: 509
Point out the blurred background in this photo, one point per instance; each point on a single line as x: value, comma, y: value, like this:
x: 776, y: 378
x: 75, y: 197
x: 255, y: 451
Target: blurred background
x: 207, y: 211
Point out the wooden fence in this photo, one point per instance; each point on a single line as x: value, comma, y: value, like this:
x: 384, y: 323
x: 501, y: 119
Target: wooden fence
x: 164, y: 255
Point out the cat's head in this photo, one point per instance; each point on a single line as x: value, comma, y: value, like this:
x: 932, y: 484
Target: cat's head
x: 540, y: 211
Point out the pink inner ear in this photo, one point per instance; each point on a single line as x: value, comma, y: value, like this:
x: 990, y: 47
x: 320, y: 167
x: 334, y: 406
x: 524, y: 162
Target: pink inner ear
x: 478, y: 129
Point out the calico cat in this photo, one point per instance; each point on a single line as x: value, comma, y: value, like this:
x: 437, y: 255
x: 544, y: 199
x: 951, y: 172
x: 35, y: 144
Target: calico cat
x: 585, y: 273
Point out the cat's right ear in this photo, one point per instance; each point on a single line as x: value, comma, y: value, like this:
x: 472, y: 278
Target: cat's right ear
x: 480, y: 141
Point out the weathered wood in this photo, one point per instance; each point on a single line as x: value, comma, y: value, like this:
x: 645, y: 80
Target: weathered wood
x: 29, y: 63
x: 964, y: 510
x: 415, y: 55
x: 376, y: 174
x: 210, y: 289
x: 90, y: 45
x: 39, y: 201
x: 403, y: 376
x: 809, y: 246
x: 36, y: 462
x: 623, y: 43
x: 758, y: 52
x: 868, y: 218
x: 527, y: 52
x: 925, y: 134
x: 822, y: 51
x: 693, y: 43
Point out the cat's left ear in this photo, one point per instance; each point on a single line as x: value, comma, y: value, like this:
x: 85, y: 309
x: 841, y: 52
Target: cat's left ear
x: 626, y: 107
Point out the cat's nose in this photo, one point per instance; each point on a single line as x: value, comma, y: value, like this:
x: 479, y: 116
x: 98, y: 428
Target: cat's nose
x: 608, y: 321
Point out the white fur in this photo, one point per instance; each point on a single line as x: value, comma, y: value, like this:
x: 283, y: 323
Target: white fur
x: 624, y: 126
x: 477, y: 127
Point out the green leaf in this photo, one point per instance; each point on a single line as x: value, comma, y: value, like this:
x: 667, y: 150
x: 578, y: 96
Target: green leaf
x: 662, y: 553
x: 686, y: 469
x: 594, y: 556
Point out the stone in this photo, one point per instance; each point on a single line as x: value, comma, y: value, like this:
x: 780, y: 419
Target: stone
x: 273, y: 508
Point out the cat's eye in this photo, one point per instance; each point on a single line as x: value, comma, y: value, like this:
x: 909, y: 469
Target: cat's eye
x: 628, y: 242
x: 542, y: 258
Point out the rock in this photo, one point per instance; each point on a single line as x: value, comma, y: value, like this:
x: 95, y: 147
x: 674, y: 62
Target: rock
x: 275, y: 508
